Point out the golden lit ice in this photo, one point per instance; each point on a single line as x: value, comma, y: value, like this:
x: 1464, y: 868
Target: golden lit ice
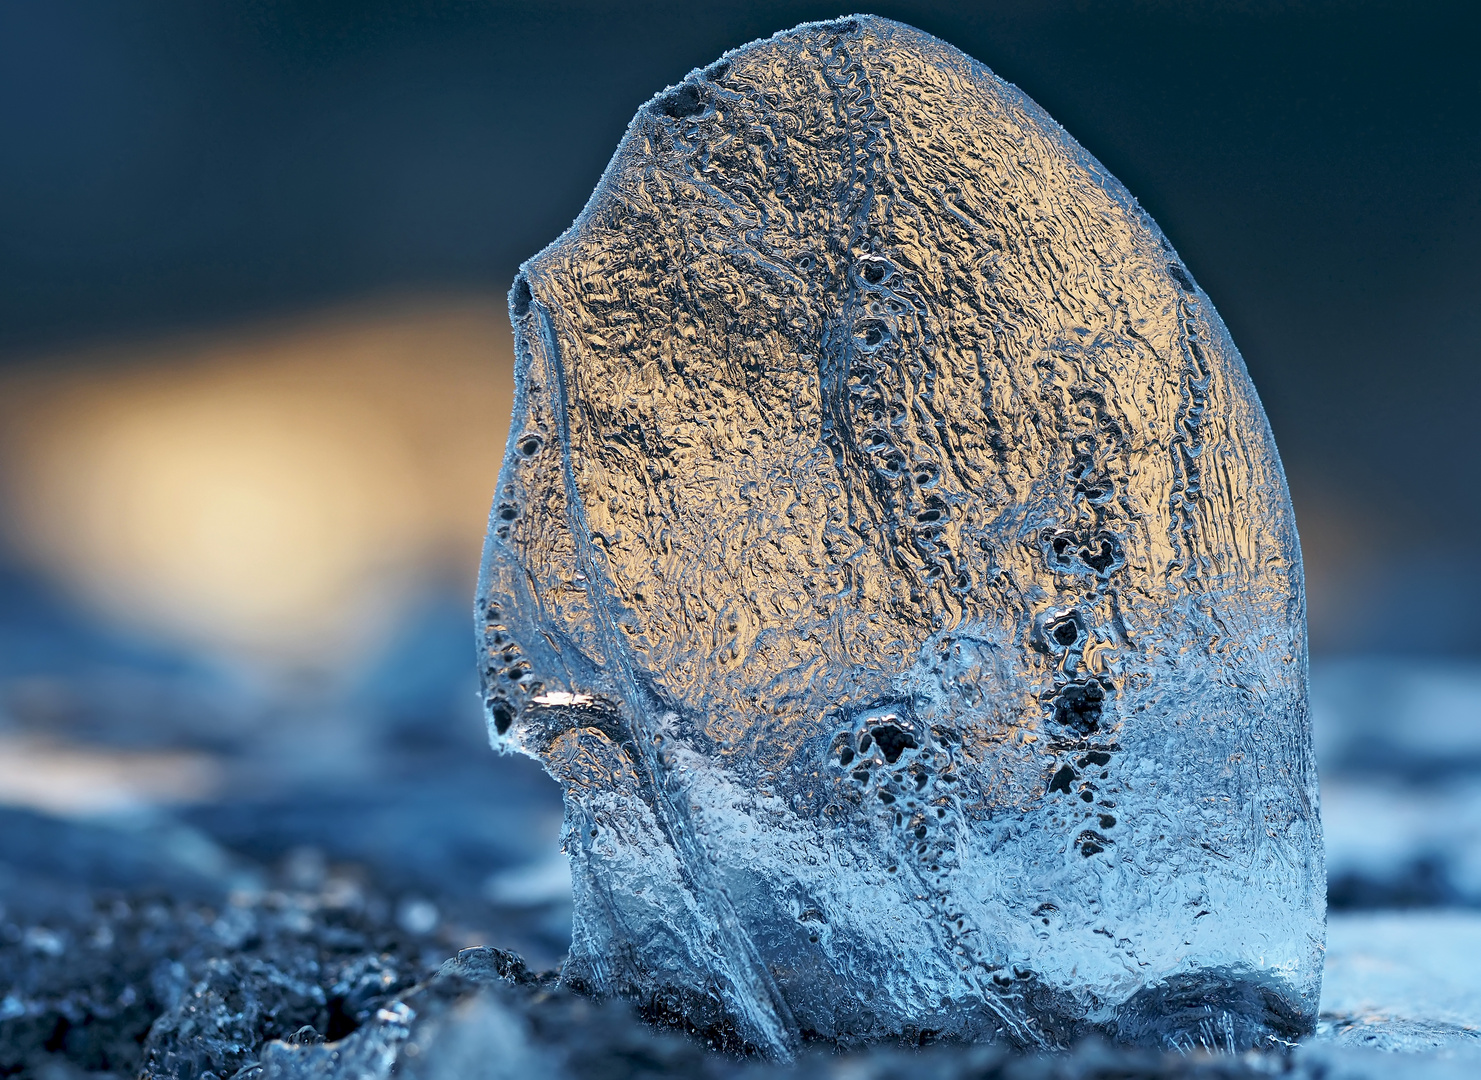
x: 892, y: 562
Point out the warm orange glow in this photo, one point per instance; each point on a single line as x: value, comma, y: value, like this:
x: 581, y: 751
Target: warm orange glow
x: 274, y: 492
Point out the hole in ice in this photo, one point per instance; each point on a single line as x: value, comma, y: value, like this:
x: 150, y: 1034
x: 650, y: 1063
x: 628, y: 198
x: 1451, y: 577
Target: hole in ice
x: 503, y: 716
x: 1107, y: 821
x: 1091, y: 843
x: 1100, y: 554
x: 892, y: 741
x: 871, y: 333
x: 1062, y: 779
x: 1079, y: 705
x: 1181, y: 276
x: 1065, y: 632
x: 872, y: 272
x: 684, y: 100
x: 522, y: 296
x: 508, y: 512
x: 530, y: 445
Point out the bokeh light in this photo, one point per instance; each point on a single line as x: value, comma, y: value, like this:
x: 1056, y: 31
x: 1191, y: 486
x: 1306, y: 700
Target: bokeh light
x: 277, y: 492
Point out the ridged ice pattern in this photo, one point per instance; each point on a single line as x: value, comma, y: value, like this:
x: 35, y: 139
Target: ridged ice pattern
x: 892, y: 562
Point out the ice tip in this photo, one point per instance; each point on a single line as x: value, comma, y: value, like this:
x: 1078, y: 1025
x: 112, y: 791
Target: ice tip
x: 692, y: 96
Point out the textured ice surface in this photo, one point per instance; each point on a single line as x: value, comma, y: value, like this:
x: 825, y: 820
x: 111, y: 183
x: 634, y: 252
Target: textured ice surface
x: 892, y: 562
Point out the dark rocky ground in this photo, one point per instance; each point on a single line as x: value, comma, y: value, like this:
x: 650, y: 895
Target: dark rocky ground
x: 151, y: 970
x: 143, y: 947
x: 122, y: 955
x: 353, y: 895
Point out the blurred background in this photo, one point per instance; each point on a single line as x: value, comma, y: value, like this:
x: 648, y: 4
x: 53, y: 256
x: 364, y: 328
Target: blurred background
x: 255, y: 377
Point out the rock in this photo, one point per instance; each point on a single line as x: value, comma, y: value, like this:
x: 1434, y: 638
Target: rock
x: 483, y: 1015
x: 892, y: 562
x: 224, y: 1016
x: 103, y: 973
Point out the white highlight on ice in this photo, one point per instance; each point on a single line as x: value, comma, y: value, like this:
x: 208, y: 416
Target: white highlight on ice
x: 561, y: 697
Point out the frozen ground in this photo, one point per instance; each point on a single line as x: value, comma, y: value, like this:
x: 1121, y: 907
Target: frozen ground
x: 1400, y: 750
x: 1403, y: 979
x: 317, y: 865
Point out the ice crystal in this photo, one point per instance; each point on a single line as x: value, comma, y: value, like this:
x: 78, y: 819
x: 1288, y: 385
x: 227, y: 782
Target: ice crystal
x: 892, y: 562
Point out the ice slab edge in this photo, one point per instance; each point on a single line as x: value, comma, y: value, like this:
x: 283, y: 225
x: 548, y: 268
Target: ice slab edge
x: 892, y: 562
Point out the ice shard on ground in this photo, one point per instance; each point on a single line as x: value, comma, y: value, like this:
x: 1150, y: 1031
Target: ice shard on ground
x: 892, y: 562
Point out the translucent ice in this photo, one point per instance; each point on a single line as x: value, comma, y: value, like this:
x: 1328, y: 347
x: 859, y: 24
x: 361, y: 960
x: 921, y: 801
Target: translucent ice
x: 892, y: 562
